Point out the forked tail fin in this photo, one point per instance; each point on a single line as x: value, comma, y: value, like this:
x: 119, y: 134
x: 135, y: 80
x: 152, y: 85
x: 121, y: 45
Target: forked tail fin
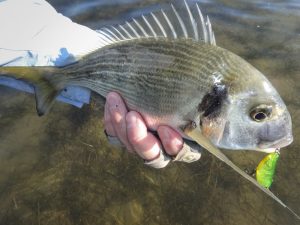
x: 47, y: 83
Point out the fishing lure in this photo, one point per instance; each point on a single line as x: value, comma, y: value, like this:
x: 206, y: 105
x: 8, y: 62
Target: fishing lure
x: 266, y: 169
x: 197, y: 136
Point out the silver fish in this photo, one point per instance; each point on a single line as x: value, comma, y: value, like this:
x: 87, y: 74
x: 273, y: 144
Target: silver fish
x: 168, y: 67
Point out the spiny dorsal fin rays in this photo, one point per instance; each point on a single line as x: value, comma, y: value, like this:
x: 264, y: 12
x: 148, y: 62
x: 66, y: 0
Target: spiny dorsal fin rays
x: 188, y: 23
x: 133, y: 30
x: 210, y: 32
x: 213, y: 38
x: 112, y: 33
x: 193, y: 22
x: 202, y: 24
x: 140, y: 27
x: 121, y: 35
x: 105, y: 38
x: 169, y: 24
x: 126, y: 32
x: 109, y: 37
x: 159, y: 25
x: 149, y: 26
x: 180, y: 22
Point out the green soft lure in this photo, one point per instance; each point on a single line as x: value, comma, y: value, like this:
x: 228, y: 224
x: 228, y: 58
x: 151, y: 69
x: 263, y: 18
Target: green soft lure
x: 266, y: 169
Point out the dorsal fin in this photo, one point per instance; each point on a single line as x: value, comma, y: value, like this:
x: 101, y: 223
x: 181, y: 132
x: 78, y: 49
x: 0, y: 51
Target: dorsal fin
x: 186, y: 23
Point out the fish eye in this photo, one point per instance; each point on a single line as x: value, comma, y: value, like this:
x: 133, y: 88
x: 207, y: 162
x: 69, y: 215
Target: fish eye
x: 261, y: 113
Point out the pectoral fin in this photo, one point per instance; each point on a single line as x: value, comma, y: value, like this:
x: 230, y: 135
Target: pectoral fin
x: 197, y: 136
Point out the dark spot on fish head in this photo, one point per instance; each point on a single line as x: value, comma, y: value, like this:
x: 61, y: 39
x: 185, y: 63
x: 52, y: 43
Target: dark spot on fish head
x: 211, y: 109
x: 212, y: 102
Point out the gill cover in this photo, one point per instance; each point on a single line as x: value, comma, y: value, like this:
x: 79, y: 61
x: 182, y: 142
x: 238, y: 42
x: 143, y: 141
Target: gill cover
x: 213, y: 118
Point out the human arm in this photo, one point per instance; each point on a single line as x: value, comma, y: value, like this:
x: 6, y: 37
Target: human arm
x: 33, y: 33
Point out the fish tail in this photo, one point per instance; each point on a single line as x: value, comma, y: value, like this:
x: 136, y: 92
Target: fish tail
x: 47, y: 82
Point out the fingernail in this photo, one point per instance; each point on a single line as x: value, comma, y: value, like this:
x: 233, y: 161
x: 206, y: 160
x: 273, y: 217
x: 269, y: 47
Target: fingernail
x: 178, y: 143
x: 171, y: 142
x: 168, y: 135
x: 112, y: 101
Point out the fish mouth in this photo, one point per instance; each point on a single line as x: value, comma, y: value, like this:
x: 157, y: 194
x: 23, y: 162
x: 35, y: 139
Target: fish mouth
x: 272, y: 146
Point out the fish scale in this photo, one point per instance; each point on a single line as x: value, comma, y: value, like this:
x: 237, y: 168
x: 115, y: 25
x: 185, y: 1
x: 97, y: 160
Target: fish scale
x: 180, y: 80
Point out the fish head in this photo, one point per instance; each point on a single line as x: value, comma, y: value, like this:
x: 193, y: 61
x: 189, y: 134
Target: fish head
x: 245, y: 112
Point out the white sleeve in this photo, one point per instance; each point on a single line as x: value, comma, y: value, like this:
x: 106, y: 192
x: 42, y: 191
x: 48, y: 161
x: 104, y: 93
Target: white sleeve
x: 34, y: 34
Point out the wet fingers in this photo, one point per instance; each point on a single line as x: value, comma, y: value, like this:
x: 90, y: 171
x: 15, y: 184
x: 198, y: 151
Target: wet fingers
x: 109, y: 128
x: 117, y: 113
x: 144, y: 143
x: 171, y: 140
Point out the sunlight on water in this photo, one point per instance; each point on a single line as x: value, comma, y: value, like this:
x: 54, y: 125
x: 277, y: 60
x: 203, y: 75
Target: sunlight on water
x: 59, y: 169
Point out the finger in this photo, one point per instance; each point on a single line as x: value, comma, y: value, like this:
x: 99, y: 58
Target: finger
x: 144, y: 143
x: 171, y: 140
x: 118, y: 112
x: 108, y: 122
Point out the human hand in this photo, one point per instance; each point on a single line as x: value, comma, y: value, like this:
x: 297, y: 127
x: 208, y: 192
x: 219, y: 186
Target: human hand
x: 129, y: 128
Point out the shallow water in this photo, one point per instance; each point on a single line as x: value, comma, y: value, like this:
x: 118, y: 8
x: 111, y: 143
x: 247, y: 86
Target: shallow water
x: 59, y: 169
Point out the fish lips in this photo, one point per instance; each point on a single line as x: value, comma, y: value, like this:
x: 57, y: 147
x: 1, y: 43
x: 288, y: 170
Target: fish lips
x: 272, y: 146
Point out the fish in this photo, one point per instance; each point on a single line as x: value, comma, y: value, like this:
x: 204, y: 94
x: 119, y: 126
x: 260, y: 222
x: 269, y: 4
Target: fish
x: 266, y: 169
x: 168, y: 67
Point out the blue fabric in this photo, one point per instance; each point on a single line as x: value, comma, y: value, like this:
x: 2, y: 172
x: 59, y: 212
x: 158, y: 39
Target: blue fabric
x: 72, y: 95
